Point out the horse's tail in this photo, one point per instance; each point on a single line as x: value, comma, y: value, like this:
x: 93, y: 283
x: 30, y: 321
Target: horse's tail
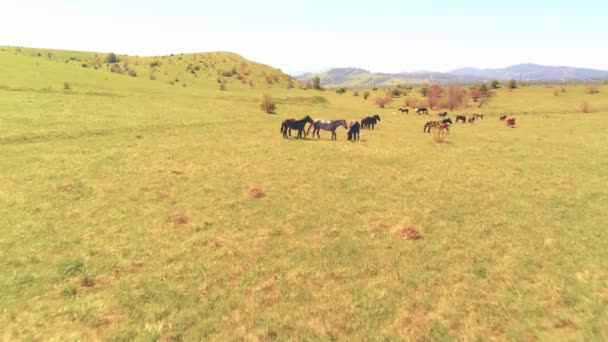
x: 282, y: 127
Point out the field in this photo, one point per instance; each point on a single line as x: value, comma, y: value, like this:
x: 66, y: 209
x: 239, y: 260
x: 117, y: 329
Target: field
x: 132, y: 208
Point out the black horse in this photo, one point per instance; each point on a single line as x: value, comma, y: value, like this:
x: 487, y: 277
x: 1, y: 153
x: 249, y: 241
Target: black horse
x: 443, y: 123
x: 404, y: 110
x: 353, y: 130
x: 443, y: 115
x: 370, y: 121
x: 290, y: 124
x: 422, y: 110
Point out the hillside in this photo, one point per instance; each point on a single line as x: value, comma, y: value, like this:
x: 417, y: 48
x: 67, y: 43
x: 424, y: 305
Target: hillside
x: 360, y: 78
x: 185, y: 70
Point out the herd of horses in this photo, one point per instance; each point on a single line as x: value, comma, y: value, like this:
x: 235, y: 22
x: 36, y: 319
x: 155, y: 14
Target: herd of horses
x: 354, y: 127
x: 369, y: 122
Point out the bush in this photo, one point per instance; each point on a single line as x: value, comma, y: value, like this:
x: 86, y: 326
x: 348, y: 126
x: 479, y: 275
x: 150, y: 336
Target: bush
x: 383, y: 100
x: 585, y: 107
x: 591, y: 89
x: 267, y: 104
x: 316, y: 83
x: 511, y: 84
x: 66, y: 86
x: 223, y: 86
x: 132, y: 73
x: 112, y: 58
x: 116, y: 69
x: 152, y: 77
x: 356, y: 93
x: 495, y: 84
x: 396, y: 93
x: 341, y: 90
x: 365, y: 95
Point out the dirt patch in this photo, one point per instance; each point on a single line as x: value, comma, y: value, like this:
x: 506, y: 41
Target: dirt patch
x: 408, y: 233
x: 178, y: 217
x: 255, y: 192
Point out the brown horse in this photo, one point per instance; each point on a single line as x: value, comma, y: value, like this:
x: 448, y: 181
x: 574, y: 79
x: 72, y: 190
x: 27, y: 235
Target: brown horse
x: 503, y: 117
x: 461, y: 118
x: 472, y: 119
x: 289, y: 124
x: 370, y: 121
x: 478, y: 116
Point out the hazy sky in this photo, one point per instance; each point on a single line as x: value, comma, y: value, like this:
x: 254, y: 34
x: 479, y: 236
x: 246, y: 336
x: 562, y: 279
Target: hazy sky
x: 303, y: 35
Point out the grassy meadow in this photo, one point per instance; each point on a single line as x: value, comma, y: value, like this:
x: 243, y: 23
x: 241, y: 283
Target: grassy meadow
x: 126, y: 210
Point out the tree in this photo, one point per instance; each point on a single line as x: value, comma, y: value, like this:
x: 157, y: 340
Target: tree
x: 434, y: 94
x: 341, y: 90
x: 511, y: 84
x: 111, y: 58
x: 456, y: 96
x: 494, y: 84
x: 316, y: 83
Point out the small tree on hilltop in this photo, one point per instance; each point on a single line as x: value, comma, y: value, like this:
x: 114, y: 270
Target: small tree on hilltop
x: 267, y: 104
x: 112, y: 58
x: 511, y: 84
x: 383, y: 100
x: 316, y: 83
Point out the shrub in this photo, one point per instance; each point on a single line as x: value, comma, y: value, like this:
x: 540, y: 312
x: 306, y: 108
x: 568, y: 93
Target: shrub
x: 341, y: 90
x: 591, y: 89
x: 495, y: 84
x: 511, y: 84
x: 223, y: 86
x: 383, y: 100
x: 455, y: 96
x: 267, y: 104
x: 116, y: 69
x: 66, y: 86
x: 423, y: 91
x: 585, y: 107
x: 365, y: 95
x: 152, y: 77
x: 112, y: 58
x: 290, y: 84
x: 132, y: 73
x: 396, y: 93
x: 251, y: 84
x: 356, y: 93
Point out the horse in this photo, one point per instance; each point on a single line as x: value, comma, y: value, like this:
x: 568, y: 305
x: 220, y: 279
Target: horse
x: 461, y: 117
x: 443, y: 115
x: 443, y: 124
x: 503, y: 117
x: 370, y: 121
x: 290, y: 124
x: 422, y: 110
x: 472, y: 119
x: 511, y: 122
x: 404, y: 110
x: 353, y: 130
x: 478, y: 116
x: 327, y: 125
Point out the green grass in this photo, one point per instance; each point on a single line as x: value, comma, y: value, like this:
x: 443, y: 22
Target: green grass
x: 513, y: 219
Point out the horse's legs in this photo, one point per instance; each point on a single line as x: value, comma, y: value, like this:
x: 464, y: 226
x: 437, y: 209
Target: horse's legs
x: 334, y: 136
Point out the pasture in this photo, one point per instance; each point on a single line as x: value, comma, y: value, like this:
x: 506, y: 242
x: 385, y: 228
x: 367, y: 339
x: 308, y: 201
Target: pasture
x: 136, y: 209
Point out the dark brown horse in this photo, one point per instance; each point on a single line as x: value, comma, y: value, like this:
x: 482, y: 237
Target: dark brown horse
x: 404, y: 110
x: 369, y: 121
x: 461, y: 117
x: 443, y: 115
x: 290, y: 124
x: 353, y: 130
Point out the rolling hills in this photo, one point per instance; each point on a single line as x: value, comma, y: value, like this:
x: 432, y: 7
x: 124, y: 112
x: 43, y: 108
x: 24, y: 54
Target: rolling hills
x: 360, y: 78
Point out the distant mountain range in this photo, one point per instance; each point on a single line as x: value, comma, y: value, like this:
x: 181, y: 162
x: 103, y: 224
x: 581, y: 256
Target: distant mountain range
x: 355, y: 77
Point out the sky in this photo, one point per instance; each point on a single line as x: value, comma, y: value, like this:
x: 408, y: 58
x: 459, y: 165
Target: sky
x: 312, y: 35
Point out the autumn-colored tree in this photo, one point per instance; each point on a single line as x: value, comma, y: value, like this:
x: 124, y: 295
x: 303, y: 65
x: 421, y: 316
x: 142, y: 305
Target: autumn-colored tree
x: 455, y: 96
x: 434, y: 94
